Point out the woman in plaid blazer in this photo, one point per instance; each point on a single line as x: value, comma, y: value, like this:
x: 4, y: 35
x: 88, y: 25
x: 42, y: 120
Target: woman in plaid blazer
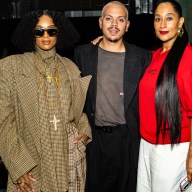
x: 43, y: 130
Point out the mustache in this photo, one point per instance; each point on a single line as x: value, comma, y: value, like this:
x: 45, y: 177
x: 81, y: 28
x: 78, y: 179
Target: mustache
x: 113, y: 27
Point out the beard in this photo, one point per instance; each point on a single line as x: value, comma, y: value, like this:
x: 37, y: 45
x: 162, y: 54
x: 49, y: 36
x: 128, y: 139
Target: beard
x: 114, y: 40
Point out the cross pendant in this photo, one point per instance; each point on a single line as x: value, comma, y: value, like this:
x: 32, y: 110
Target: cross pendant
x: 55, y: 121
x: 49, y: 78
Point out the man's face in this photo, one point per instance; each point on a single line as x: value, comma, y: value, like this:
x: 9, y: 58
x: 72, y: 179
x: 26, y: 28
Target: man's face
x: 114, y: 22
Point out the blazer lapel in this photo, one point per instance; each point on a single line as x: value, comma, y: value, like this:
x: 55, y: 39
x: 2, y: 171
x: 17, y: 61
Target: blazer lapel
x: 132, y: 73
x: 93, y: 72
x: 27, y: 93
x: 79, y: 87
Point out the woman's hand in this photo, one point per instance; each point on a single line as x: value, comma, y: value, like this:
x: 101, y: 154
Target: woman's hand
x: 95, y: 41
x: 81, y: 137
x: 189, y: 163
x: 25, y: 183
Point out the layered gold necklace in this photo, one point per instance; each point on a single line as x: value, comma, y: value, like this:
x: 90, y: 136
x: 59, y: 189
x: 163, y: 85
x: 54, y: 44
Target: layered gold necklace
x: 55, y: 78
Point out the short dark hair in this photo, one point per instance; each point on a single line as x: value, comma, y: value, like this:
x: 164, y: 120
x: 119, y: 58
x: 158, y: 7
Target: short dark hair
x: 24, y: 37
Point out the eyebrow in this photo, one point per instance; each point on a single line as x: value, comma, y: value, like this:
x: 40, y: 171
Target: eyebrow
x: 166, y: 14
x: 50, y: 26
x: 112, y: 16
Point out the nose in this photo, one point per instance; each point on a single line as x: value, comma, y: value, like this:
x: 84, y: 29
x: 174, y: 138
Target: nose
x: 163, y: 23
x: 45, y: 34
x: 114, y: 22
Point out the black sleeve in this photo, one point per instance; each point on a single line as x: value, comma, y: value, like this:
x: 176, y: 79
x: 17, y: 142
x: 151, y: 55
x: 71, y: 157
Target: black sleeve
x: 76, y: 57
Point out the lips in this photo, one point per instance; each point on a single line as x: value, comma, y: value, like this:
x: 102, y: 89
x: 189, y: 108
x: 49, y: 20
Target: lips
x: 113, y: 30
x: 46, y: 42
x: 163, y: 32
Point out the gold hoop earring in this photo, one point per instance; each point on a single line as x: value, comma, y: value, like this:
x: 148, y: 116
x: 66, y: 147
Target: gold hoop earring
x: 180, y: 31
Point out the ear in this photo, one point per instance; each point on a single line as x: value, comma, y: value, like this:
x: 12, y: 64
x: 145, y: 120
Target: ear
x: 181, y: 21
x: 100, y: 22
x: 127, y: 26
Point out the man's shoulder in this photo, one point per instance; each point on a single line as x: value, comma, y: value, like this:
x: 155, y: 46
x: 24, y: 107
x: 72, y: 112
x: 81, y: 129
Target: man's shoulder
x: 85, y: 47
x: 136, y: 48
x: 137, y: 52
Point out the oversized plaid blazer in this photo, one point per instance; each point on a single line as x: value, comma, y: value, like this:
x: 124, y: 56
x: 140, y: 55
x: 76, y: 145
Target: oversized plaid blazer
x: 20, y: 147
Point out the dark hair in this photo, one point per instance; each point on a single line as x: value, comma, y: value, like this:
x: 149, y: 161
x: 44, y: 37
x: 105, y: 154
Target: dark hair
x: 167, y: 98
x: 24, y: 37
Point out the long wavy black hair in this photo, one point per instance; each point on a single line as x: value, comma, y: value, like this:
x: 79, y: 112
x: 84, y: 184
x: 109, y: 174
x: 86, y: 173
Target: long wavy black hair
x: 167, y: 98
x: 24, y: 38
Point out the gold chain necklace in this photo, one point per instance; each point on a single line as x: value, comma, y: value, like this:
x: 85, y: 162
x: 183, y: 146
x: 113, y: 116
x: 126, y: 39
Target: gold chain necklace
x: 43, y: 86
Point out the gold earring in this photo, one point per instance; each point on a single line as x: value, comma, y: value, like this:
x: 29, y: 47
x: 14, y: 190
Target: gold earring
x: 180, y: 31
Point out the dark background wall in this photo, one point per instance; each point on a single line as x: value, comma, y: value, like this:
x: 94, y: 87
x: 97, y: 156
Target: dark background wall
x: 80, y: 4
x: 140, y: 32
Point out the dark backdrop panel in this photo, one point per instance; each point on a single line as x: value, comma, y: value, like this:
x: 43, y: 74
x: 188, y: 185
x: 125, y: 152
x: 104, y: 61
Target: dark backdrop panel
x: 140, y: 32
x: 76, y: 4
x: 3, y: 177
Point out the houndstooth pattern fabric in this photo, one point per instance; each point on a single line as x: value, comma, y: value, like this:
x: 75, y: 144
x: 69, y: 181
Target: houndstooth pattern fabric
x: 21, y: 133
x: 77, y: 162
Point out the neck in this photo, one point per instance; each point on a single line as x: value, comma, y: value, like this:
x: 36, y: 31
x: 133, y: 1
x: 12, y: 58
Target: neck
x: 168, y: 45
x: 112, y: 46
x: 47, y: 55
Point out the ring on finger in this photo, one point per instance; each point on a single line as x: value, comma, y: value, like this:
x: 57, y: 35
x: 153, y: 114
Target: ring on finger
x: 21, y: 184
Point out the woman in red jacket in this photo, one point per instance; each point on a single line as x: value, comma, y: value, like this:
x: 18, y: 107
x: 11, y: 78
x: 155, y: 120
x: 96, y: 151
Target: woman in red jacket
x: 165, y: 101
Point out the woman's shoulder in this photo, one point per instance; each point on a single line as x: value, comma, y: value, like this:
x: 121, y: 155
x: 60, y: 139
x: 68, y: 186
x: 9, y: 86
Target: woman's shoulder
x: 16, y: 57
x: 188, y: 52
x: 10, y: 60
x: 189, y: 47
x: 14, y: 62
